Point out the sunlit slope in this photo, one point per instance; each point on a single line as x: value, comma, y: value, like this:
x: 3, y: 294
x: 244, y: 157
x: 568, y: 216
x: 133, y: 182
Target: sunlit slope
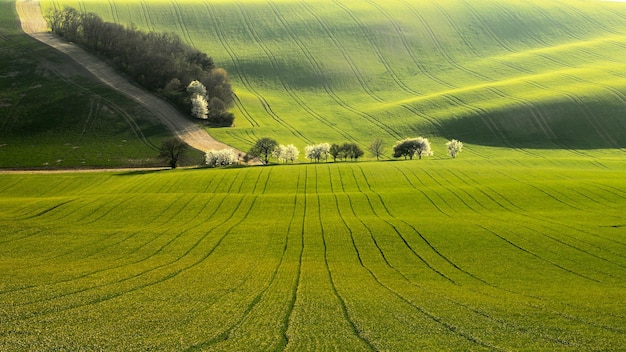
x: 546, y: 74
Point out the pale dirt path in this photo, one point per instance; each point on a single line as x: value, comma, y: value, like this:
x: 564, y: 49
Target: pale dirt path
x: 33, y: 24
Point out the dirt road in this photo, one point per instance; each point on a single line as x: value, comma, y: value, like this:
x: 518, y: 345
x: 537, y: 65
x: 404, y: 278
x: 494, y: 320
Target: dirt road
x: 34, y: 25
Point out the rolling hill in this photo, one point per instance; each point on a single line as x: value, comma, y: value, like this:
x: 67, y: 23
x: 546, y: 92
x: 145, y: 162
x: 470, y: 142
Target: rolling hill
x: 518, y: 244
x: 529, y: 74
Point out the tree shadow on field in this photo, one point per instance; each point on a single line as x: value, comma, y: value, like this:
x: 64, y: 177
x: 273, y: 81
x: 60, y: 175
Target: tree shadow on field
x: 141, y: 172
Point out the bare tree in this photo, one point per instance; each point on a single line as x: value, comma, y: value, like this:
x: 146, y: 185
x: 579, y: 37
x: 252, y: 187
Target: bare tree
x: 173, y: 150
x: 377, y: 148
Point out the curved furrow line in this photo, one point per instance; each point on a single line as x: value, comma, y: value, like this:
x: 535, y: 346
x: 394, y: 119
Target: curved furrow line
x: 594, y: 23
x: 609, y: 189
x: 357, y: 73
x: 8, y: 185
x: 380, y: 198
x: 274, y: 62
x: 451, y: 327
x: 344, y: 308
x: 424, y: 193
x: 180, y: 21
x: 589, y: 116
x: 244, y: 111
x: 501, y: 322
x: 47, y: 210
x: 576, y: 248
x: 234, y: 180
x: 256, y: 183
x: 615, y: 92
x: 244, y: 79
x: 438, y: 45
x: 267, y: 179
x: 131, y: 187
x: 319, y: 71
x: 145, y: 9
x: 417, y: 232
x: 530, y: 305
x: 181, y: 209
x: 145, y: 258
x: 461, y: 199
x: 296, y: 285
x: 484, y: 117
x: 478, y: 186
x: 162, y: 279
x: 353, y: 66
x: 460, y: 67
x: 398, y: 30
x: 389, y: 69
x: 214, y: 184
x: 536, y: 255
x: 544, y: 224
x: 15, y: 239
x: 245, y: 140
x: 459, y: 32
x: 400, y: 235
x: 476, y: 14
x: 95, y: 250
x: 243, y: 182
x: 225, y: 335
x: 420, y: 235
x: 114, y: 12
x: 64, y: 217
x: 551, y: 196
x: 585, y: 232
x: 101, y: 214
x: 451, y: 187
x: 574, y: 201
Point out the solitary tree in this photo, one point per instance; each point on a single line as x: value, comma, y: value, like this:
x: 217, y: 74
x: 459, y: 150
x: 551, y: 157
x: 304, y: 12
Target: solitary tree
x: 454, y: 147
x: 173, y: 150
x: 377, y: 148
x: 263, y: 148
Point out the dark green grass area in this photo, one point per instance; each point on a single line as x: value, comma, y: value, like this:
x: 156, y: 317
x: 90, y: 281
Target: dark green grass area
x: 56, y: 115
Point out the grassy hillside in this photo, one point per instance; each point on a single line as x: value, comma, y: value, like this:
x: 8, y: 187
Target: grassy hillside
x: 53, y: 114
x: 466, y: 254
x: 532, y: 74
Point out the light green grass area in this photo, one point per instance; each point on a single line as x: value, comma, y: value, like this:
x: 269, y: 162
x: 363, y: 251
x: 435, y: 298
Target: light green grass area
x: 531, y: 74
x: 465, y: 254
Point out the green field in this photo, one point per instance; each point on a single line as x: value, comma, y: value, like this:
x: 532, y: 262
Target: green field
x: 531, y: 74
x: 518, y: 244
x: 466, y: 254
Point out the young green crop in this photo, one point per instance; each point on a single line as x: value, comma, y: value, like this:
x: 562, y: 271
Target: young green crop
x: 542, y: 74
x: 470, y: 253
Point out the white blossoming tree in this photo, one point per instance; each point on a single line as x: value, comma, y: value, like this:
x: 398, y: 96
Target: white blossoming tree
x: 454, y: 147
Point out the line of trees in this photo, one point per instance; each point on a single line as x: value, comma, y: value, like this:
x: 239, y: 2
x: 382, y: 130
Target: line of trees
x: 159, y: 62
